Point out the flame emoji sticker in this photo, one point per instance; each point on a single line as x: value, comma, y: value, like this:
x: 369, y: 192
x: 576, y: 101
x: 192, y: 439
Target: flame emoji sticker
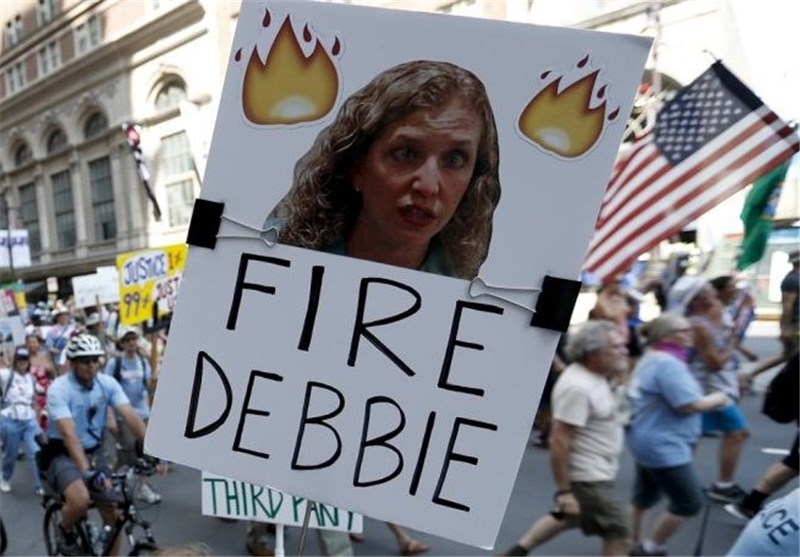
x: 563, y: 122
x: 290, y: 87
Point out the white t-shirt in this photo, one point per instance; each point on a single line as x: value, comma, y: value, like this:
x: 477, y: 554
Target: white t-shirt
x: 583, y: 399
x: 17, y: 403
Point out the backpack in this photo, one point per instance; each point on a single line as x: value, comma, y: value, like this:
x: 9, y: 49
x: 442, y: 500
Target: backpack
x: 780, y: 399
x: 118, y: 369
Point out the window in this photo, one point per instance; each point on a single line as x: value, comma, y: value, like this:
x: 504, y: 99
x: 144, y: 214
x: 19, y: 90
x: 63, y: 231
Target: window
x: 170, y: 95
x: 105, y: 218
x: 29, y: 215
x: 49, y: 57
x: 13, y: 31
x: 46, y: 10
x: 64, y: 209
x: 15, y: 78
x: 56, y: 141
x: 180, y: 198
x: 177, y: 171
x: 177, y: 157
x: 87, y: 35
x: 96, y: 124
x: 22, y: 154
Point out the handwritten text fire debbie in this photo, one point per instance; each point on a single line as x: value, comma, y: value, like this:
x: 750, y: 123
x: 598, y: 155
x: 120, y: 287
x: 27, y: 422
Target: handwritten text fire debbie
x: 233, y: 499
x: 318, y: 394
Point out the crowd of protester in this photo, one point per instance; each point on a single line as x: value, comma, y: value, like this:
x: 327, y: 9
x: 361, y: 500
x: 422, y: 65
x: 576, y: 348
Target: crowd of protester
x: 686, y: 384
x: 654, y: 388
x: 43, y: 383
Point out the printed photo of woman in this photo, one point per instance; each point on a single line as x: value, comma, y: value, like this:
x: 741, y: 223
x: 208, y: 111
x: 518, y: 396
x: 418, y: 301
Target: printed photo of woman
x: 407, y: 174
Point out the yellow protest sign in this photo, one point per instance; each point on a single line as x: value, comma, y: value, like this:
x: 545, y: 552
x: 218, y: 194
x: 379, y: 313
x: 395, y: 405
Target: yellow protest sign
x: 148, y: 282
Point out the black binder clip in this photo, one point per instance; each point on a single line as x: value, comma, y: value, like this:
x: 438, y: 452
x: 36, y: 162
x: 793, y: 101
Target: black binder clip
x: 205, y: 223
x: 207, y: 219
x: 555, y: 303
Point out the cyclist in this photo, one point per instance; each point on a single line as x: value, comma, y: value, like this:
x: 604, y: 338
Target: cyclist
x: 78, y: 402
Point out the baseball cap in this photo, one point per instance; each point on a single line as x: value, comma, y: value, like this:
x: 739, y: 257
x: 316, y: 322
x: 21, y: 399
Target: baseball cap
x: 21, y: 353
x: 59, y: 310
x: 125, y: 331
x: 93, y: 319
x: 683, y: 292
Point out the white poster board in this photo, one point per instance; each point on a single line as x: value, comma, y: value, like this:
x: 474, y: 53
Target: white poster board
x: 227, y: 498
x: 374, y: 387
x: 12, y: 330
x: 87, y: 288
x: 20, y: 248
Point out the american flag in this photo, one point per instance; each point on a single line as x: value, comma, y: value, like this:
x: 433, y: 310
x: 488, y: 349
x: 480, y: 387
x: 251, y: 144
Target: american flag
x: 711, y: 140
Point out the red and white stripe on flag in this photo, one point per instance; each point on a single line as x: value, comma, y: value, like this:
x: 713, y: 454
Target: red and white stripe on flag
x: 714, y: 138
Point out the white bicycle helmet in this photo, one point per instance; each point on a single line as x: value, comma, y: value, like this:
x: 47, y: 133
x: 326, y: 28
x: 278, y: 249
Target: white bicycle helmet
x: 84, y: 345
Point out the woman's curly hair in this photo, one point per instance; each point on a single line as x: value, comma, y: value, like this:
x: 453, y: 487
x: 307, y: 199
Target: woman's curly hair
x: 322, y: 206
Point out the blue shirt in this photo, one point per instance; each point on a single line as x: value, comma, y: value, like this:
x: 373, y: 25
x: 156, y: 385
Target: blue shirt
x: 134, y: 376
x: 659, y: 435
x: 68, y: 398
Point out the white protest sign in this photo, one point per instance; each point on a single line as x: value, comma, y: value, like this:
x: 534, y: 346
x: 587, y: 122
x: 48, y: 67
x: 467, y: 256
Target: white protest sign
x: 20, y: 254
x: 244, y: 501
x: 87, y: 288
x: 12, y: 330
x: 370, y: 386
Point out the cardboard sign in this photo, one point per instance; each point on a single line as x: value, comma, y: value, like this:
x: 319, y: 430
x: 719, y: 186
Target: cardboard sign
x: 88, y: 288
x: 243, y: 501
x: 149, y: 282
x: 327, y: 365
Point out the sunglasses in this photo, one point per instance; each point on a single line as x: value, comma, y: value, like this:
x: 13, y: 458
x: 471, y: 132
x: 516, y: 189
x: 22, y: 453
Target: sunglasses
x: 87, y: 360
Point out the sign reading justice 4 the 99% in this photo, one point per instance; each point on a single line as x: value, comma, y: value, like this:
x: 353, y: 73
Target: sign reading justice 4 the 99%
x: 148, y: 282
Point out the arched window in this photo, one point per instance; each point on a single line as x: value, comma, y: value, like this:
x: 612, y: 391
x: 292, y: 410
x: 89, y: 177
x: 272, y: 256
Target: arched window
x: 96, y: 124
x: 56, y: 141
x: 22, y: 154
x: 171, y: 94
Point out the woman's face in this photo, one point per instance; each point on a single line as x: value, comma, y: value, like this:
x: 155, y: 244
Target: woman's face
x: 32, y: 344
x: 415, y: 174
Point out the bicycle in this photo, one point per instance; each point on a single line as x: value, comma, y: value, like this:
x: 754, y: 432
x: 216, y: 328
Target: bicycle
x: 94, y: 540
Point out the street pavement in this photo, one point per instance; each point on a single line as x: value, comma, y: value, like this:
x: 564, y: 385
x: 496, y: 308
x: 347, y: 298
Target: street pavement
x: 177, y: 518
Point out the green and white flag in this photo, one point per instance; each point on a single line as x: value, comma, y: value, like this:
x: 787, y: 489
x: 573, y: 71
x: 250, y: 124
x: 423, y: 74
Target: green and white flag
x: 757, y: 214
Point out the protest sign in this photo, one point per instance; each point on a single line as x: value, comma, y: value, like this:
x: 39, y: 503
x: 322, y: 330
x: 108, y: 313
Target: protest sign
x: 8, y: 302
x: 229, y: 498
x: 361, y: 381
x: 102, y: 286
x: 20, y: 253
x: 149, y: 282
x: 12, y: 330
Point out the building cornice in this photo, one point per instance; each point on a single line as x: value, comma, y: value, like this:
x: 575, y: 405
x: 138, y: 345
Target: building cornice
x: 103, y: 63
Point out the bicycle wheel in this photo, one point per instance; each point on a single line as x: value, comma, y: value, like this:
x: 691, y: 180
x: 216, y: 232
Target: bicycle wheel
x: 52, y: 519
